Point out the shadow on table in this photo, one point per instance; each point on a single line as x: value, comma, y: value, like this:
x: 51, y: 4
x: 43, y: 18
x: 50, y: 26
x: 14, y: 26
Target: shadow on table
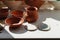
x: 19, y: 30
x: 5, y: 34
x: 43, y: 15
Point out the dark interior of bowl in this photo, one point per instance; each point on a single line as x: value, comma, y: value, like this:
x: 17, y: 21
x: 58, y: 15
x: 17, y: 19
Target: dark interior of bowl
x: 12, y: 20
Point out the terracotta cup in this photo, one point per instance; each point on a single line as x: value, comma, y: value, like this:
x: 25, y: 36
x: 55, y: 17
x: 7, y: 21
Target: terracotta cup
x: 32, y: 13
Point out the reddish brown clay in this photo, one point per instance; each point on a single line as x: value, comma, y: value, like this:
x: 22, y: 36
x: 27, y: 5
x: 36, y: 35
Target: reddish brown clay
x: 32, y: 13
x: 16, y: 22
x: 12, y: 20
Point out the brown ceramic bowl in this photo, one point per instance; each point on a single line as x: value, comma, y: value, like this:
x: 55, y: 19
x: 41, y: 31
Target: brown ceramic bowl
x: 12, y: 20
x: 15, y: 22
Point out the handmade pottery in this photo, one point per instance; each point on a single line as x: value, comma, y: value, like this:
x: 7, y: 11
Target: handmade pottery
x: 32, y: 13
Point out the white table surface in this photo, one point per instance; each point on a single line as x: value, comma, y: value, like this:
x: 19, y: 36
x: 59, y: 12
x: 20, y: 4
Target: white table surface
x: 51, y: 18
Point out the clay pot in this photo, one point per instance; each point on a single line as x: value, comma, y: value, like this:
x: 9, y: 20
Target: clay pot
x: 32, y: 13
x: 3, y: 13
x: 35, y: 3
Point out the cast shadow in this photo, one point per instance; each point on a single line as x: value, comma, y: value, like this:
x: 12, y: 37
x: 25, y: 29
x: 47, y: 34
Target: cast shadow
x: 43, y: 15
x: 19, y: 30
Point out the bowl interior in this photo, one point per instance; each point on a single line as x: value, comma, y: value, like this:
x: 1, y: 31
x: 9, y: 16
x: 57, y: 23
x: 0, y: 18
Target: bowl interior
x: 12, y: 20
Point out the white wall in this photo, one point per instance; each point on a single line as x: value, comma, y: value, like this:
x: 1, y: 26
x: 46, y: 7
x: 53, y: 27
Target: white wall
x: 56, y: 4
